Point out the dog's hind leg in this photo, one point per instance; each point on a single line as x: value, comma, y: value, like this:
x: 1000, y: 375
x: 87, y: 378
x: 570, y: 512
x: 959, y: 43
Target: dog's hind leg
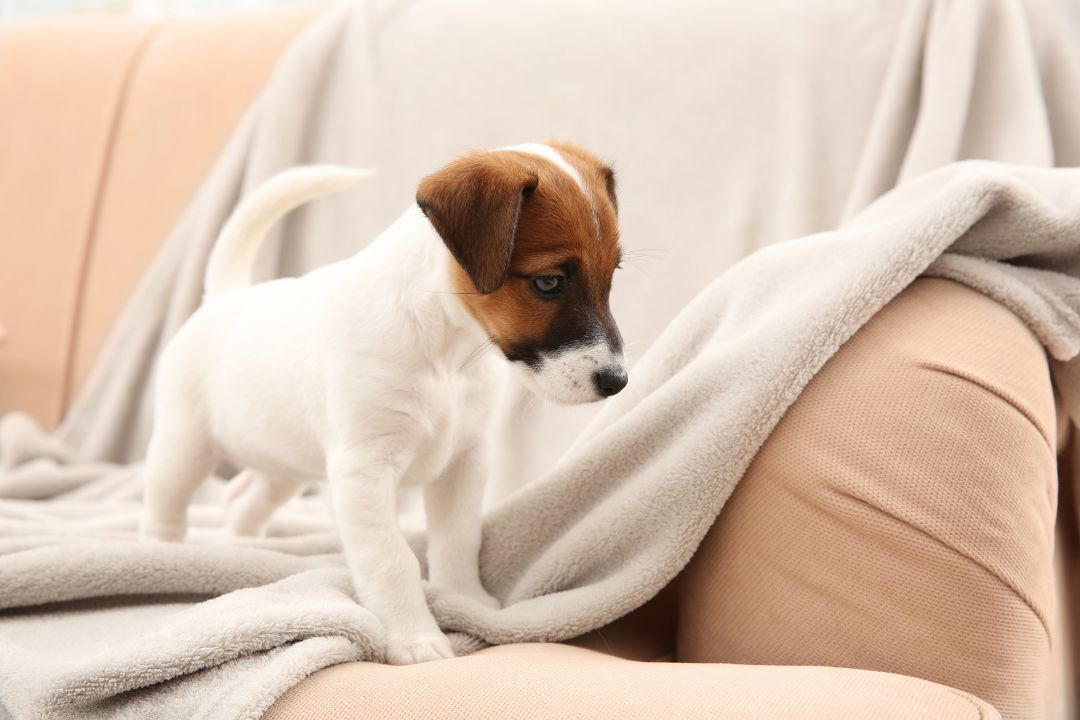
x: 179, y: 458
x: 252, y: 497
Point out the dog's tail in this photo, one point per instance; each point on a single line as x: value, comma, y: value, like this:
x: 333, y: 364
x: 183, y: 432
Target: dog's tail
x: 233, y: 255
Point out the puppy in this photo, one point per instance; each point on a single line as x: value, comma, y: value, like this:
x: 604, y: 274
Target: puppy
x: 374, y: 372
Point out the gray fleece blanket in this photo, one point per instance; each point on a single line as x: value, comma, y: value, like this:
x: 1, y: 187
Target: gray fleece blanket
x: 97, y: 625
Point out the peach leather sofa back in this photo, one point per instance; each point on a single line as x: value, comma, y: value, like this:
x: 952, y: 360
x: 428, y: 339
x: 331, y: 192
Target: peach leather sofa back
x: 108, y: 126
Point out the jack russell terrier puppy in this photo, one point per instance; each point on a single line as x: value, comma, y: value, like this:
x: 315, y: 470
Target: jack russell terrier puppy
x: 372, y: 372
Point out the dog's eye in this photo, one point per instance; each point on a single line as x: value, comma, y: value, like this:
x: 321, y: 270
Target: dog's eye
x: 549, y: 286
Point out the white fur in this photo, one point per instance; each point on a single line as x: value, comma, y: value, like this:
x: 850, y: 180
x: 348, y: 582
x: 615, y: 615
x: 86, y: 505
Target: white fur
x: 554, y: 156
x: 566, y: 377
x: 364, y: 372
x: 233, y: 255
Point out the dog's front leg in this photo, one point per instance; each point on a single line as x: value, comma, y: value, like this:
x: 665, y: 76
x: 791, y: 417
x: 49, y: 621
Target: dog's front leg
x: 386, y: 573
x: 453, y: 504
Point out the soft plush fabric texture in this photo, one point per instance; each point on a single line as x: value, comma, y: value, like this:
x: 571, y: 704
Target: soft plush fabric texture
x: 901, y: 515
x: 606, y: 527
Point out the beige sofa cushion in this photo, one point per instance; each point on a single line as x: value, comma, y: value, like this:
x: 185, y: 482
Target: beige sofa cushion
x: 560, y: 681
x: 60, y: 84
x: 900, y: 517
x: 108, y: 127
x: 192, y: 84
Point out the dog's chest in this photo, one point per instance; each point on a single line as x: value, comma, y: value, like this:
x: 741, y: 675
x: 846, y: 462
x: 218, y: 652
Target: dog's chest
x: 451, y: 413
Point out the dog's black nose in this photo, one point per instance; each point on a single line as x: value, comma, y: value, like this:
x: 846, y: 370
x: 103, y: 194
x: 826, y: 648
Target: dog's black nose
x: 609, y: 382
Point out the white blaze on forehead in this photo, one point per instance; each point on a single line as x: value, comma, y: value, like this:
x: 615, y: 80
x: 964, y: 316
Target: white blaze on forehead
x: 554, y: 156
x: 551, y: 154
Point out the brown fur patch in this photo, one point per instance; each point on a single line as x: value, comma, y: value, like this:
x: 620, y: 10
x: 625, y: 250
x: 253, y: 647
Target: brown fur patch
x: 559, y: 231
x: 474, y: 204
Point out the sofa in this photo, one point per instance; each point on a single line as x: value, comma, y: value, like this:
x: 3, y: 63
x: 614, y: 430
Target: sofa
x: 904, y: 545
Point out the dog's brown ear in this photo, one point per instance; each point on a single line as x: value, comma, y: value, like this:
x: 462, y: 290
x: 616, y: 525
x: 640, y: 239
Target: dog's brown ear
x: 609, y: 186
x: 474, y: 204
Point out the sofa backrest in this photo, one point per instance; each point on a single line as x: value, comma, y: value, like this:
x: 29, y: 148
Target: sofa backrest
x: 108, y: 127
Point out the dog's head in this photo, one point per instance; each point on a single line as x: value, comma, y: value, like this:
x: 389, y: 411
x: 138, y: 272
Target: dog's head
x: 534, y: 231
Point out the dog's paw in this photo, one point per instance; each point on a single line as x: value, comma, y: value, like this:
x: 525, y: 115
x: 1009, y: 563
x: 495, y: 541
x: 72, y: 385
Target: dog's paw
x: 418, y: 648
x: 153, y: 530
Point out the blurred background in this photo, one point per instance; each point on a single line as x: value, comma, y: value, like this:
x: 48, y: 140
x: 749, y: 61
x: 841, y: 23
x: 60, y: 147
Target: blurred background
x: 14, y: 9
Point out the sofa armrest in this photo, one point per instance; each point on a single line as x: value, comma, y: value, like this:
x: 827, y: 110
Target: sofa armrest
x: 551, y: 680
x: 900, y: 517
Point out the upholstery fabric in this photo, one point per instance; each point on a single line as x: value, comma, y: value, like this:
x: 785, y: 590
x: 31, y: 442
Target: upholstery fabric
x: 548, y: 681
x: 901, y: 516
x: 109, y: 126
x: 48, y: 76
x: 192, y: 83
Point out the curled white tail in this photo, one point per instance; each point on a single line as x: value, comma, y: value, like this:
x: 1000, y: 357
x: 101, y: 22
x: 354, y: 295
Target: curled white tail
x: 233, y: 255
